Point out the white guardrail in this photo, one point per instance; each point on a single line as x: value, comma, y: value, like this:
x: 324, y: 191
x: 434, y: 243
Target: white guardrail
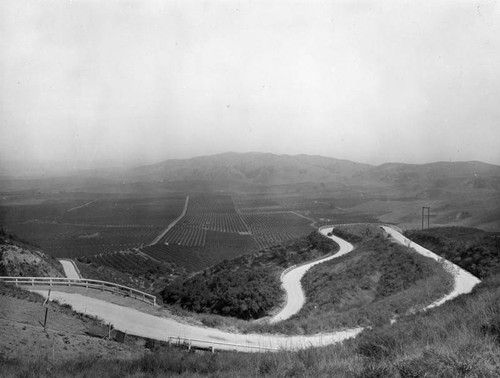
x: 82, y: 282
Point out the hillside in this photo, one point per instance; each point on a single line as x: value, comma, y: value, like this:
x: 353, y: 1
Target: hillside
x: 18, y: 259
x: 24, y: 340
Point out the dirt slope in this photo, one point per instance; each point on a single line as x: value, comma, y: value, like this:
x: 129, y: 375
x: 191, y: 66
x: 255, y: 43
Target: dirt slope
x: 24, y: 337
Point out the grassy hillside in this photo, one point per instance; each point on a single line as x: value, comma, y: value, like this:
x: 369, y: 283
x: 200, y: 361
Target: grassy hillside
x: 25, y: 344
x: 373, y: 284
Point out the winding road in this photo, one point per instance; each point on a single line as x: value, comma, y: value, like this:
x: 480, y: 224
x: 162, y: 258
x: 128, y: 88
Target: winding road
x: 290, y: 279
x: 138, y: 323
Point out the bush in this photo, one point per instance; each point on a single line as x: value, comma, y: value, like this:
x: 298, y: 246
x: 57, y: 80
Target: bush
x: 244, y: 294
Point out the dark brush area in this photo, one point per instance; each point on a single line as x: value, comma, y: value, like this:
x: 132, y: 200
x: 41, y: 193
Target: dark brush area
x: 472, y: 249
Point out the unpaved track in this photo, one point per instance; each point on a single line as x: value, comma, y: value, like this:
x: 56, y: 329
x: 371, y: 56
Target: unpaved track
x: 69, y: 268
x: 464, y: 281
x: 291, y: 280
x: 169, y: 227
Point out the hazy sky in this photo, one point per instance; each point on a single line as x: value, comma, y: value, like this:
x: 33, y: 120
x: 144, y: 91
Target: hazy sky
x: 120, y: 82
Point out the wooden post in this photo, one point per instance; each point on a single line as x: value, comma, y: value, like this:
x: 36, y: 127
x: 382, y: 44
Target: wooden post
x: 46, y: 305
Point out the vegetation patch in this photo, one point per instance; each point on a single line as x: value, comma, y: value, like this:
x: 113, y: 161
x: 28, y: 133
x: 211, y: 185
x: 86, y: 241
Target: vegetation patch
x: 471, y: 249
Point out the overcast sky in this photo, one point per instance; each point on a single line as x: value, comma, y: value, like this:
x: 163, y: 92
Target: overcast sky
x: 125, y: 82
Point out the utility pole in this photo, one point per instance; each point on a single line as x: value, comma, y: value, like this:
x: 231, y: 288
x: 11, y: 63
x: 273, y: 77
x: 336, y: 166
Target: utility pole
x: 428, y: 216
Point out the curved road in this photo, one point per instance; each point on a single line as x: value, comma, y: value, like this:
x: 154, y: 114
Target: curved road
x: 290, y: 280
x: 464, y: 281
x: 137, y: 323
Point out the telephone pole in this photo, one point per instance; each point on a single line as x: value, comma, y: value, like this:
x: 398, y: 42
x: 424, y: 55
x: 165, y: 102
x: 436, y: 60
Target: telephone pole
x: 428, y: 216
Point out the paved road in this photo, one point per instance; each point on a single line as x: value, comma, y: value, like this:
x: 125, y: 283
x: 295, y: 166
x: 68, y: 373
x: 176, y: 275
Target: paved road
x: 138, y: 323
x: 291, y: 280
x: 69, y: 269
x: 464, y: 281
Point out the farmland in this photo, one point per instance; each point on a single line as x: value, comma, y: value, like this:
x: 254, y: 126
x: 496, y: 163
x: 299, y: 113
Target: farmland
x: 212, y: 230
x: 215, y: 226
x: 272, y: 229
x: 86, y: 226
x: 218, y: 246
x: 65, y: 240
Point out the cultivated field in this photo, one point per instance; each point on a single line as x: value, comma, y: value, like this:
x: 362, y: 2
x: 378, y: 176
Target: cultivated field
x: 272, y: 229
x: 78, y: 227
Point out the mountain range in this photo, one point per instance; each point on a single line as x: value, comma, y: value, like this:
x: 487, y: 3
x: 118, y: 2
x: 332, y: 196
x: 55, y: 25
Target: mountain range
x: 263, y: 171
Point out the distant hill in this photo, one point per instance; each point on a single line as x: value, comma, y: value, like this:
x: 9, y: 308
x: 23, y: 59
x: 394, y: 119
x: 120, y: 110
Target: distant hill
x: 261, y: 169
x: 252, y: 168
